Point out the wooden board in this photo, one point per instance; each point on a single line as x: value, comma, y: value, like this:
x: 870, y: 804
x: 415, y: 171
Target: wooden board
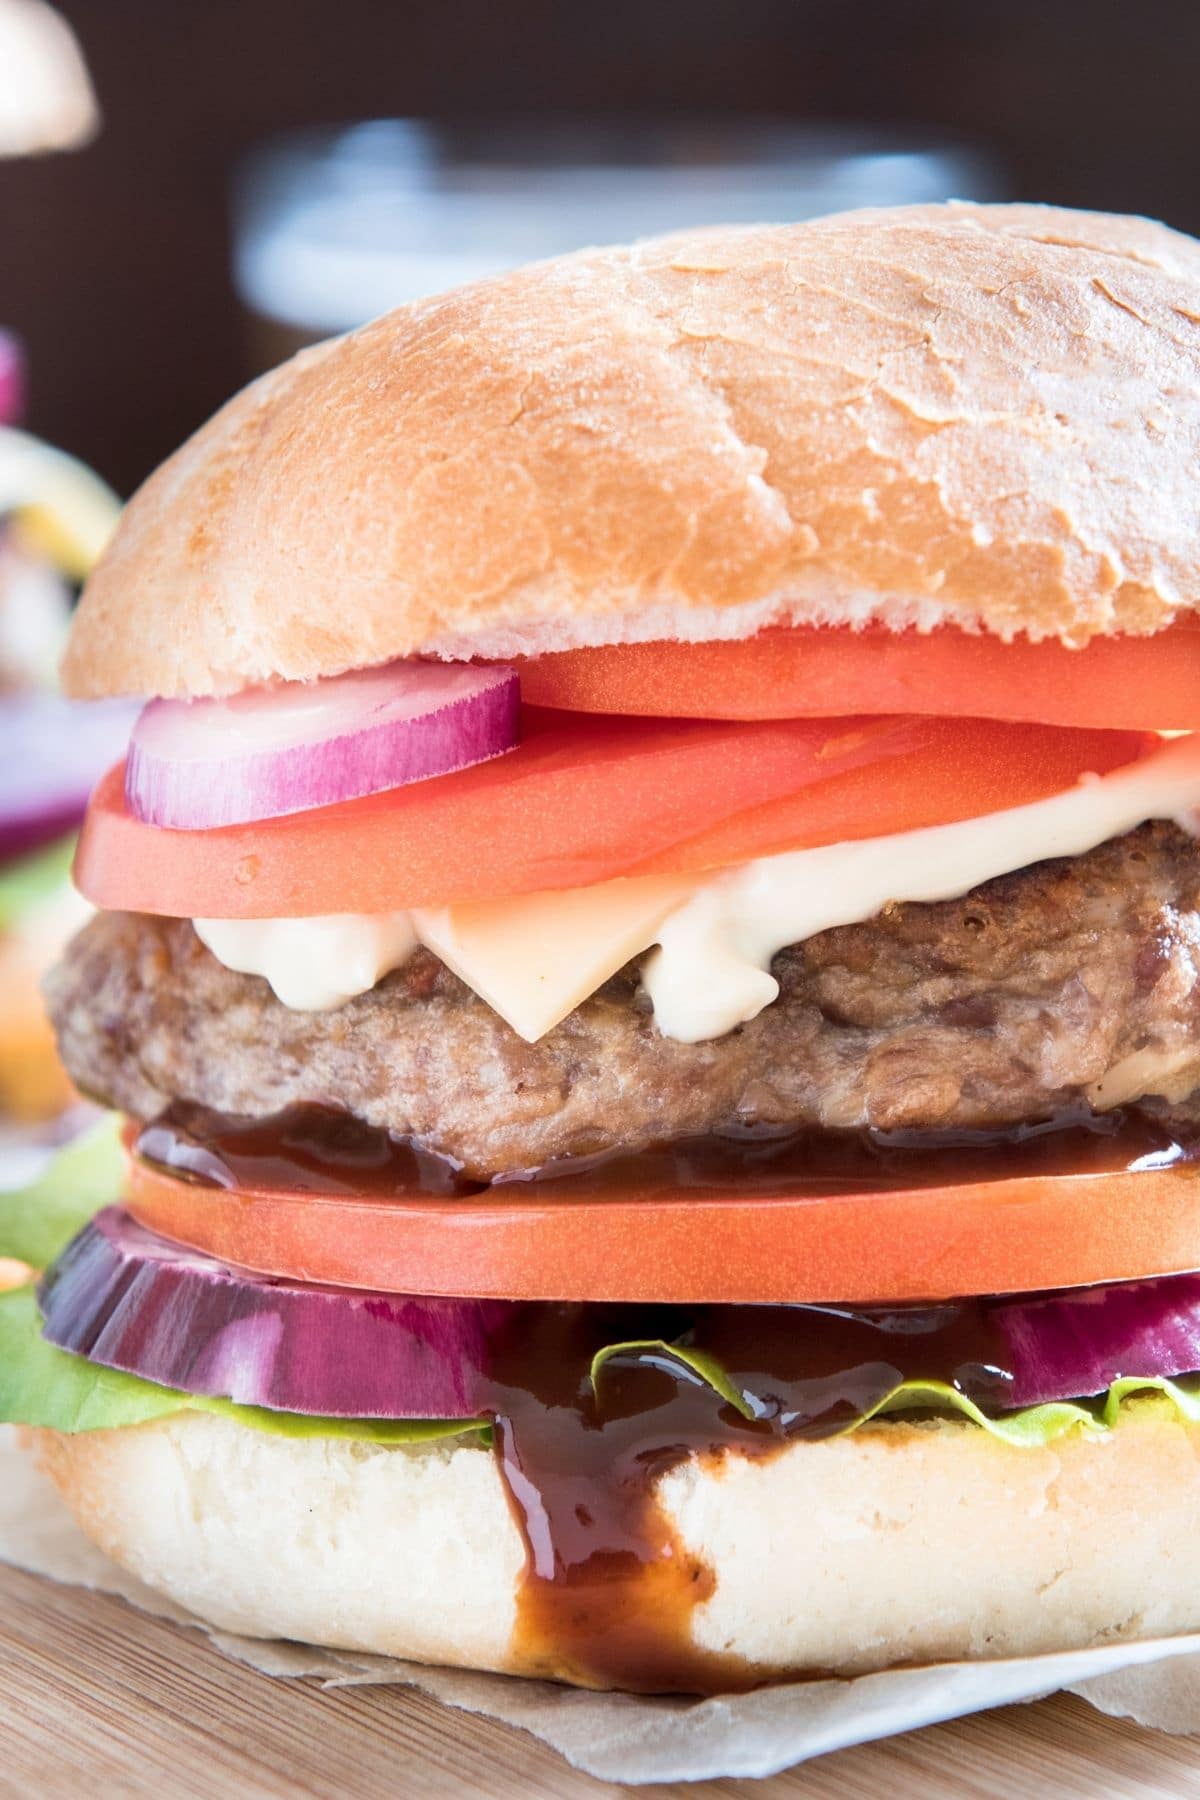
x: 97, y: 1700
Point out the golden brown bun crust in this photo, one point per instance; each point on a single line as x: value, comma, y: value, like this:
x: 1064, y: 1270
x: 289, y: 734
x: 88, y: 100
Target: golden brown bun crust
x: 937, y: 413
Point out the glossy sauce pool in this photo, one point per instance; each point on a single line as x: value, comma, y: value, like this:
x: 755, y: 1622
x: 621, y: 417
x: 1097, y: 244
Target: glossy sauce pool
x: 319, y: 1150
x: 610, y: 1593
x: 610, y: 1590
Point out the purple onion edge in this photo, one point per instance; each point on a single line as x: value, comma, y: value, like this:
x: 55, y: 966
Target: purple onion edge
x: 189, y: 797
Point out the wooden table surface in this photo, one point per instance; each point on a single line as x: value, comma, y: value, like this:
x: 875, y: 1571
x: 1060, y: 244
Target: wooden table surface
x: 98, y: 1700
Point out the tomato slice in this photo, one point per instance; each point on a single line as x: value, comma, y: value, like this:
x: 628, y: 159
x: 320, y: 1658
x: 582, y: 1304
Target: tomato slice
x: 1127, y: 683
x: 999, y: 1234
x: 582, y: 801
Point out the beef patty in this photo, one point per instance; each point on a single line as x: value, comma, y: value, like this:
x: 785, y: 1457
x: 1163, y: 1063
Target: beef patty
x: 1072, y: 979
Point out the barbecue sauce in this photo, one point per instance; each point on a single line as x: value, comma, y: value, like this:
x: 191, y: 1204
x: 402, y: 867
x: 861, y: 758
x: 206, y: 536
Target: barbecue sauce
x: 610, y: 1592
x: 308, y: 1149
x: 320, y: 1150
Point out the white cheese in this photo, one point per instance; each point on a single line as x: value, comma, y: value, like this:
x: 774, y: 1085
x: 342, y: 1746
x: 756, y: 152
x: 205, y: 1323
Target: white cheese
x: 535, y: 957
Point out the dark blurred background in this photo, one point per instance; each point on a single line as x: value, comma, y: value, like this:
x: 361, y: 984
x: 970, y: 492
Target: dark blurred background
x: 114, y: 259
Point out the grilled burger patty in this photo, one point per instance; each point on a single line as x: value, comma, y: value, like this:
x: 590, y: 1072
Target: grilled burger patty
x: 1069, y: 980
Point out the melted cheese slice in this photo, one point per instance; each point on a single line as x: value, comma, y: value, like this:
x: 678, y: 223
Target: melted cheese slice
x: 537, y: 957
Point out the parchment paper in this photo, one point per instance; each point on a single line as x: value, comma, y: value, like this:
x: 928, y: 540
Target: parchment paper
x: 625, y: 1739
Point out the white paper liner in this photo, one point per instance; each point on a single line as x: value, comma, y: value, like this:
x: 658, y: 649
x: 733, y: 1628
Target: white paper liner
x: 623, y: 1738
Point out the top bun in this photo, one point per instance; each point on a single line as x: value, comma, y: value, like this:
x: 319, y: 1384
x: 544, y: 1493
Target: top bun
x: 985, y: 415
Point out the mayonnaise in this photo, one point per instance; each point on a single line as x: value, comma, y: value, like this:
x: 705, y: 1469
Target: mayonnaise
x: 715, y: 942
x: 713, y: 949
x: 313, y: 964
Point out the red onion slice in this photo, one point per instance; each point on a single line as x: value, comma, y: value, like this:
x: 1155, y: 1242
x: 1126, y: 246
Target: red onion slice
x: 196, y: 764
x: 1072, y: 1345
x: 127, y: 1299
x: 12, y: 379
x: 52, y: 753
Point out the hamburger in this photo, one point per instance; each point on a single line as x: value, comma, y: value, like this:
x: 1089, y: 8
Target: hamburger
x: 648, y: 949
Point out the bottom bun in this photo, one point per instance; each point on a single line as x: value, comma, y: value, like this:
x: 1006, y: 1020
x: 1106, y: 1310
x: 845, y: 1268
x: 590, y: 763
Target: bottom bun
x: 901, y: 1543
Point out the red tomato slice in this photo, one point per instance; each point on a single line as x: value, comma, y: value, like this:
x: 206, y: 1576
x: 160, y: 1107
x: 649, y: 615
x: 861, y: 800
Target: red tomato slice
x: 1002, y: 1235
x: 1127, y: 683
x: 585, y: 801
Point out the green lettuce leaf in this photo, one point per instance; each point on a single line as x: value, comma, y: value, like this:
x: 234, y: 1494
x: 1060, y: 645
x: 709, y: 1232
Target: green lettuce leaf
x: 1029, y: 1427
x: 41, y: 1385
x: 25, y: 884
x: 38, y: 1221
x: 1033, y: 1426
x: 695, y: 1363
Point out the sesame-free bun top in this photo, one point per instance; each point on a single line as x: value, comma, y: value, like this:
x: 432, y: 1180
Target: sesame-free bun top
x: 981, y: 415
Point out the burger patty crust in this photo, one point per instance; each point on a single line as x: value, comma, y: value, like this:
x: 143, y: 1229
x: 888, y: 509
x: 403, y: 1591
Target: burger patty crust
x: 1071, y: 980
